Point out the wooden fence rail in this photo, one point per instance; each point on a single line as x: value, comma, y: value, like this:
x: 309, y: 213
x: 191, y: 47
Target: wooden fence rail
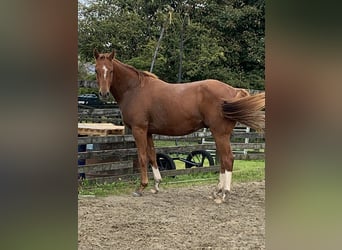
x: 114, y: 157
x: 166, y: 150
x: 96, y: 115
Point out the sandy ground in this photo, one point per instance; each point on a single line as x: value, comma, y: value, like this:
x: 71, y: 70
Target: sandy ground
x: 175, y: 218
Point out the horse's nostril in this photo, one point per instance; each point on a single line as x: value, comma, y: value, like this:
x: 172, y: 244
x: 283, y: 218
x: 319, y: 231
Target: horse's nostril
x: 104, y: 95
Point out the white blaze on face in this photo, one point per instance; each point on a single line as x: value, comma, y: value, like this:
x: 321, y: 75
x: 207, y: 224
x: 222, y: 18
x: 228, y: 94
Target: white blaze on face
x: 105, y: 71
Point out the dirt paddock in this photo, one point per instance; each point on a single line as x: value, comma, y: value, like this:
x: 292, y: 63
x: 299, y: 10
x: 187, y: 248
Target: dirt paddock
x: 176, y: 218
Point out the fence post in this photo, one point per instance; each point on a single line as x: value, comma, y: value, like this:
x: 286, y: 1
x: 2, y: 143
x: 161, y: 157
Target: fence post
x: 248, y: 129
x: 81, y: 162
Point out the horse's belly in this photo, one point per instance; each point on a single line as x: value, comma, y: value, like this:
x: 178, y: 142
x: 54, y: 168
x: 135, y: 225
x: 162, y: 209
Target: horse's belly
x: 175, y: 129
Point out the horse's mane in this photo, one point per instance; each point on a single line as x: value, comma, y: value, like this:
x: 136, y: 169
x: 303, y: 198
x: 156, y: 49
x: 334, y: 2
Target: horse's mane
x: 150, y: 74
x: 140, y: 73
x: 242, y: 93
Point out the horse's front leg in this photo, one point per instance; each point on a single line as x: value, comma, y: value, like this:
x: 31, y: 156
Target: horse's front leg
x: 140, y: 136
x: 152, y: 159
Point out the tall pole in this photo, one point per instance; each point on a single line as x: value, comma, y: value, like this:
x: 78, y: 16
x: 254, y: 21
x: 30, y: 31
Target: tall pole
x: 181, y: 48
x: 157, y: 48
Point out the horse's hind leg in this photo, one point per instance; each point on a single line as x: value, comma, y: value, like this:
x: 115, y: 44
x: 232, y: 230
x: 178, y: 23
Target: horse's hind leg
x: 140, y: 136
x: 226, y: 160
x: 152, y: 159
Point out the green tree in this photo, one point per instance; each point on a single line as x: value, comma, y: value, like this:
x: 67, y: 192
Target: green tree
x: 220, y: 39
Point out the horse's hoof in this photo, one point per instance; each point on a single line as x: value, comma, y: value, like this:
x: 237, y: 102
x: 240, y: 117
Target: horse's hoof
x: 154, y: 191
x: 225, y: 195
x: 137, y: 194
x: 216, y: 193
x: 218, y: 201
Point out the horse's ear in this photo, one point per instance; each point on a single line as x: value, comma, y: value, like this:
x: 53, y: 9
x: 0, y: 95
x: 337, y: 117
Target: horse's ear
x: 96, y: 53
x: 112, y: 55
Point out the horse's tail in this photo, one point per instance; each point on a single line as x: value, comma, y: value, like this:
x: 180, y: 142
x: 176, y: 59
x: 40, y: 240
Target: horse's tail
x: 246, y: 110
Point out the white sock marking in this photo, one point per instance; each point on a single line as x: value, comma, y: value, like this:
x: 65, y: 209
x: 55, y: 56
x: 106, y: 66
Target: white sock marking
x: 156, y: 174
x: 228, y: 180
x: 105, y: 71
x: 222, y: 179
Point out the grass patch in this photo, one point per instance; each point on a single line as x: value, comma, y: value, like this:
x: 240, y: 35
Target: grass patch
x: 170, y: 143
x: 243, y: 171
x: 115, y: 188
x: 249, y: 170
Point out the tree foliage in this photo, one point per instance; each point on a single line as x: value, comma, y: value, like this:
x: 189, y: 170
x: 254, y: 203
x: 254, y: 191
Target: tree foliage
x: 219, y: 39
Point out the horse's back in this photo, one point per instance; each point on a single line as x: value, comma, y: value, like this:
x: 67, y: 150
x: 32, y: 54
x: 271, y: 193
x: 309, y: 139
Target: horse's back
x: 178, y: 109
x: 211, y: 90
x: 208, y: 86
x: 190, y: 96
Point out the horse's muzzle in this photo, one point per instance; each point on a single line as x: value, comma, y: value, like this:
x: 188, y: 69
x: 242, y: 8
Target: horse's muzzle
x: 104, y: 95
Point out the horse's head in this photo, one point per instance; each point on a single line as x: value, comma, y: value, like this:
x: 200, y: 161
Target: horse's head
x: 104, y: 72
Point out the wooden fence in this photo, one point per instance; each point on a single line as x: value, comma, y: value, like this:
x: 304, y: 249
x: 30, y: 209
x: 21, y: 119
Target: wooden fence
x: 94, y: 115
x: 110, y: 158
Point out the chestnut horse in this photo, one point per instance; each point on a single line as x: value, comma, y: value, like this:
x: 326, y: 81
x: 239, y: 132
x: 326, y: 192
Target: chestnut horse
x: 152, y: 106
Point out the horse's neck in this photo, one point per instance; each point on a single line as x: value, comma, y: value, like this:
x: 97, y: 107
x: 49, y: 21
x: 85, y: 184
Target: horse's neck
x: 124, y: 80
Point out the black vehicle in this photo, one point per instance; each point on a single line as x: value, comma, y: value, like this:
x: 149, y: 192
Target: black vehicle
x: 90, y: 100
x: 93, y: 101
